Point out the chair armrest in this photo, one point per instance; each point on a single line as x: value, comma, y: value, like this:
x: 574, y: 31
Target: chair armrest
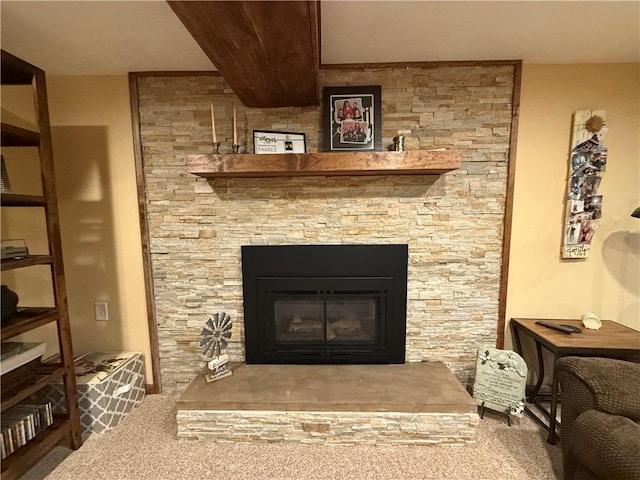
x: 593, y: 384
x: 608, y: 385
x: 608, y: 445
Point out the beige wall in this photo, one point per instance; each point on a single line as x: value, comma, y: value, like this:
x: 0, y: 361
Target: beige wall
x: 541, y: 284
x: 92, y: 140
x: 97, y: 198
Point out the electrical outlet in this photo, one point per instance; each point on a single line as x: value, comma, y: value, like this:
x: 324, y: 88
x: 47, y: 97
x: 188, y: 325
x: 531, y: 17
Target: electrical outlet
x: 102, y: 311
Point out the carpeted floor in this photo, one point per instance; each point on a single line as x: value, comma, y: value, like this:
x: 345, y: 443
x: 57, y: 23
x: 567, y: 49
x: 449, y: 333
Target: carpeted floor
x: 144, y: 446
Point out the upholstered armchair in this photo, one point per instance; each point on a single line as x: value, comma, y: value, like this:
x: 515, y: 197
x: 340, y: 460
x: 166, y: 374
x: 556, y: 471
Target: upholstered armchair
x: 600, y: 417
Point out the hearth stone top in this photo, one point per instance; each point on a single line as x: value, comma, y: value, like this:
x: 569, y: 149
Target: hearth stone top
x: 409, y: 388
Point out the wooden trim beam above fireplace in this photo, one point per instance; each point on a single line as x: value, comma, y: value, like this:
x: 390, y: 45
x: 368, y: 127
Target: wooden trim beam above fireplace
x: 268, y: 52
x: 418, y: 162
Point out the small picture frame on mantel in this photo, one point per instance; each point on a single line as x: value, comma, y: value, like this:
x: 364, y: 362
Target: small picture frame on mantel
x: 352, y: 118
x: 268, y: 142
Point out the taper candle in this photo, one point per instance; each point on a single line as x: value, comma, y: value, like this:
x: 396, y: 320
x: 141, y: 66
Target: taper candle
x: 235, y: 128
x: 213, y: 126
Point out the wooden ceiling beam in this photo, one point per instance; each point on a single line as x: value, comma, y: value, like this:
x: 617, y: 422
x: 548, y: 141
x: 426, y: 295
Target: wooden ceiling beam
x: 268, y: 52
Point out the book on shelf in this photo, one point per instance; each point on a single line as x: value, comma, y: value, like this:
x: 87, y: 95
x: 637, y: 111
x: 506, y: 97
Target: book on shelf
x: 17, y: 354
x: 22, y: 423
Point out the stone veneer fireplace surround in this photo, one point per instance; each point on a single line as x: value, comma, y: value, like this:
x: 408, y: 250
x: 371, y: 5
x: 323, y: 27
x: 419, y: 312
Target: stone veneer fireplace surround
x: 453, y: 223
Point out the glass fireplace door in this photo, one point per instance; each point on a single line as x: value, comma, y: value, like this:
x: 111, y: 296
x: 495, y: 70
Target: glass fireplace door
x: 320, y: 320
x: 324, y: 320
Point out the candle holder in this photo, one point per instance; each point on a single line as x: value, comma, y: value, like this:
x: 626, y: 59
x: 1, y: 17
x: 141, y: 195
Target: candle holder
x: 216, y: 147
x: 236, y: 148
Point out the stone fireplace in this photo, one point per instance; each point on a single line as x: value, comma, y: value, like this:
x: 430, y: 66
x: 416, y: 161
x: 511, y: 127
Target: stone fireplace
x: 325, y: 304
x: 452, y: 223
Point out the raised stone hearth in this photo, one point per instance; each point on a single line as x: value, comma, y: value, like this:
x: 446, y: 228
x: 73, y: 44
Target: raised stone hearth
x: 413, y: 403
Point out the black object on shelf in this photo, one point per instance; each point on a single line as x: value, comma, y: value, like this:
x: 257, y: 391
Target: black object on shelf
x: 9, y: 302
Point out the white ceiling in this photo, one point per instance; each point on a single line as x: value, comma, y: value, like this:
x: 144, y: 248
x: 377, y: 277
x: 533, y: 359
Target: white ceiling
x: 103, y: 37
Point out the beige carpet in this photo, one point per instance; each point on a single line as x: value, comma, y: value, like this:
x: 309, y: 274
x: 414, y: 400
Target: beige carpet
x: 144, y: 446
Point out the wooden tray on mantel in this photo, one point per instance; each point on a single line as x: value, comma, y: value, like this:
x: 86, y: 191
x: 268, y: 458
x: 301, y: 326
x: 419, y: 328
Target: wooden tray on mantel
x: 418, y: 162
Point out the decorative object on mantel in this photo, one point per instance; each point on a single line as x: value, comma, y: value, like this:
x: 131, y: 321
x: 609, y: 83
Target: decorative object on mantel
x: 398, y: 143
x: 213, y: 338
x: 269, y: 142
x: 584, y: 205
x: 500, y: 383
x: 636, y: 213
x: 352, y: 118
x: 214, y: 138
x: 235, y: 146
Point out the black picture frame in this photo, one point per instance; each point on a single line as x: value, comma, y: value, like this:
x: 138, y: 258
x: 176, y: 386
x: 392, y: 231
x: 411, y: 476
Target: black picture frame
x: 272, y: 142
x: 343, y: 131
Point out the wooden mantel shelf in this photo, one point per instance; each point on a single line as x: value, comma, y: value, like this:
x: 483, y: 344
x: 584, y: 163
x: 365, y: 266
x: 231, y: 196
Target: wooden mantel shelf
x: 418, y: 162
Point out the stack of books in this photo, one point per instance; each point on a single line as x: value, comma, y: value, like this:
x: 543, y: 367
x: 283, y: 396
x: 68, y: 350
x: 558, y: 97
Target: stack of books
x: 219, y: 368
x: 21, y: 423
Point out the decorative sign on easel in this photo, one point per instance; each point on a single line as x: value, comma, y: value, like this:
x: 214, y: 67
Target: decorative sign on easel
x: 501, y: 378
x: 584, y: 205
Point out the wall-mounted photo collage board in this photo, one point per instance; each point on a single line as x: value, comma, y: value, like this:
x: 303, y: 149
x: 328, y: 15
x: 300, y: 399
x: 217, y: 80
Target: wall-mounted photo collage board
x: 587, y: 161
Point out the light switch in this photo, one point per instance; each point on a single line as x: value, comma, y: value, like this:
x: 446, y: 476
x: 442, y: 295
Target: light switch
x: 102, y: 311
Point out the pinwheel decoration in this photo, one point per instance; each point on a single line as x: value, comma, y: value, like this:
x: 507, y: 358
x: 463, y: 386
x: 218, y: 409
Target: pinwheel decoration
x: 214, y: 336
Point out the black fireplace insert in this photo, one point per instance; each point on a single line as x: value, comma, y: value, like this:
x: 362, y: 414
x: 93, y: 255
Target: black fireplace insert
x: 327, y: 304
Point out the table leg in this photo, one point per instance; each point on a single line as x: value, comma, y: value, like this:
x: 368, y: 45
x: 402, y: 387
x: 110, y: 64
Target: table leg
x: 554, y: 405
x: 515, y: 333
x: 517, y: 343
x: 534, y: 395
x: 538, y: 385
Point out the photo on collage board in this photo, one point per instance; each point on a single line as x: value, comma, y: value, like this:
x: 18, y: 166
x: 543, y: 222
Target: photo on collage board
x: 589, y: 157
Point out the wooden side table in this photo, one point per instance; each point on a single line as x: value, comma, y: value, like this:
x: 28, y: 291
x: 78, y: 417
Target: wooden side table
x: 613, y: 340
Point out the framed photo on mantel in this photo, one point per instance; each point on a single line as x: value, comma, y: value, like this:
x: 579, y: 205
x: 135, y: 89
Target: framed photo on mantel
x: 352, y: 118
x: 266, y: 142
